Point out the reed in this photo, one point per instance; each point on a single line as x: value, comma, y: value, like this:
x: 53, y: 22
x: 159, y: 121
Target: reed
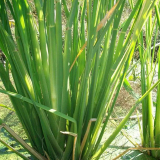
x: 147, y: 50
x: 64, y: 81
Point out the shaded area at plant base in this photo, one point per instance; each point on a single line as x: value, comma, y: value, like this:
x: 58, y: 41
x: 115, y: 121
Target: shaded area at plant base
x: 10, y: 118
x: 121, y: 143
x: 136, y: 155
x: 5, y: 153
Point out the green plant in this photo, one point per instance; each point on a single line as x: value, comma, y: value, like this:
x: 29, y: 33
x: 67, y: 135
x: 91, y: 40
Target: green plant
x: 147, y: 49
x: 62, y: 106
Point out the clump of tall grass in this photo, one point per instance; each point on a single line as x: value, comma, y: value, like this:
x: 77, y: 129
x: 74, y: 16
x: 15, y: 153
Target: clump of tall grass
x: 64, y: 85
x: 150, y: 121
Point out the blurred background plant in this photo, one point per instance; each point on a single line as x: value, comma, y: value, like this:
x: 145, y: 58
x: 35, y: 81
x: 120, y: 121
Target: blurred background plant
x: 67, y: 78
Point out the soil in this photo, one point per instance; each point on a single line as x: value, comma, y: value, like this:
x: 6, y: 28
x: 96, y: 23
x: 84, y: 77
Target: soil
x: 125, y: 101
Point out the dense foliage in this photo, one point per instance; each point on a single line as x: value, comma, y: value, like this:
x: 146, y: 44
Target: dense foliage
x: 67, y: 77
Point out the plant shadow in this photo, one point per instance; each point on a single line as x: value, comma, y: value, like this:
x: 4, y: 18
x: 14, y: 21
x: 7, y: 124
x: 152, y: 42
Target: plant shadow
x: 136, y: 155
